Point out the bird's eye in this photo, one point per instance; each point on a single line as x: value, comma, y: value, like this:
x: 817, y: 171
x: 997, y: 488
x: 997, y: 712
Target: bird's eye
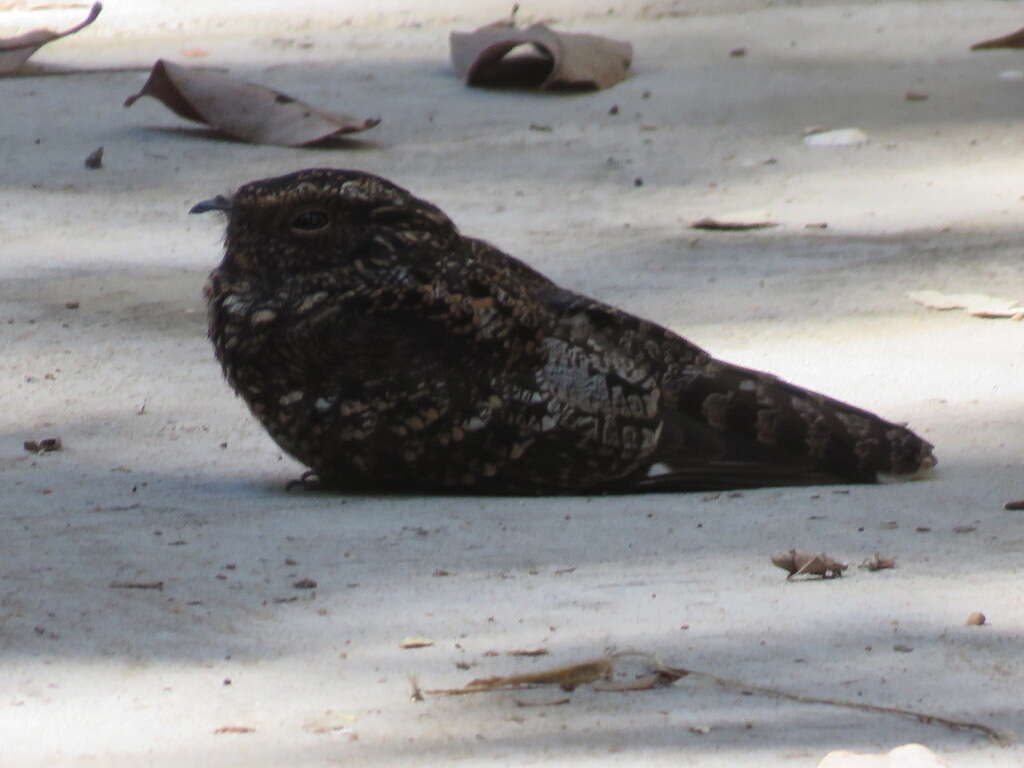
x: 309, y: 221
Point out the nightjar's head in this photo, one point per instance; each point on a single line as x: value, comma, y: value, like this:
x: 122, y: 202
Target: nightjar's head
x: 324, y: 218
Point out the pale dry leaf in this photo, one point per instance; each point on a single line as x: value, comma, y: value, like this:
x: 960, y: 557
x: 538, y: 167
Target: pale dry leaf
x: 243, y: 110
x: 554, y: 60
x: 15, y: 51
x: 975, y: 304
x: 839, y: 137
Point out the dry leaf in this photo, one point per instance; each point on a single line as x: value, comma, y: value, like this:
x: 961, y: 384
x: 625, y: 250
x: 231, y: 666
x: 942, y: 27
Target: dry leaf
x: 739, y: 221
x: 528, y: 652
x: 554, y: 60
x: 1012, y: 40
x: 597, y: 672
x: 243, y: 110
x: 15, y: 51
x: 976, y: 304
x: 566, y: 678
x: 799, y: 563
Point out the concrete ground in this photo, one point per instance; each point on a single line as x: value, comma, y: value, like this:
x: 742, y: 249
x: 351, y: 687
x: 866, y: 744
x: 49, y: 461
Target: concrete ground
x: 164, y: 476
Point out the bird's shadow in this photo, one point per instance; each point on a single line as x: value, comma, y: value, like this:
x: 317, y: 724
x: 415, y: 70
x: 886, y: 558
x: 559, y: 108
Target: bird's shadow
x: 212, y: 134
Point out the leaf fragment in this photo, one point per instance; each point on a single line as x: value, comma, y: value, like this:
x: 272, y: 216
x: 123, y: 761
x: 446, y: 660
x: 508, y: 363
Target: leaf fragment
x: 975, y: 304
x: 554, y: 60
x: 878, y: 563
x: 242, y: 110
x: 15, y: 51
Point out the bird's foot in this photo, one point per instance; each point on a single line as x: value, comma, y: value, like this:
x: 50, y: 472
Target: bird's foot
x: 307, y: 481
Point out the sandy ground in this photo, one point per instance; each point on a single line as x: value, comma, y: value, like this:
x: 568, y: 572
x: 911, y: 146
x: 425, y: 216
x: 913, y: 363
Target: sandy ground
x: 165, y: 477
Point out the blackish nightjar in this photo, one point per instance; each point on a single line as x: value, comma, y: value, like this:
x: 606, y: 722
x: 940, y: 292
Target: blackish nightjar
x: 388, y: 352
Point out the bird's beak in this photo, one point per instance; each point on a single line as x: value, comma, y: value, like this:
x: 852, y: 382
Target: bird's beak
x: 218, y: 203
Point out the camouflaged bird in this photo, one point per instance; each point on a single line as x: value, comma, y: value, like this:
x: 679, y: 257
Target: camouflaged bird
x: 387, y: 351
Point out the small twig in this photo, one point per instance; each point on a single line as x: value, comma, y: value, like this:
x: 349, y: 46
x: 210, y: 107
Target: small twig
x: 552, y: 703
x: 417, y: 692
x: 924, y: 717
x: 136, y: 585
x: 598, y: 673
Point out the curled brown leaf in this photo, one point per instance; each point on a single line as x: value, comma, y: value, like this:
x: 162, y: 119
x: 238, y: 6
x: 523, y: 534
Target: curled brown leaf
x: 554, y: 60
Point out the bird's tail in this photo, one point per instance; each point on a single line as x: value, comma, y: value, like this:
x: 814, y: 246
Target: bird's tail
x: 736, y: 427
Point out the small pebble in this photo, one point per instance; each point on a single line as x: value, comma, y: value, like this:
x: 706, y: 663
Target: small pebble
x: 95, y: 159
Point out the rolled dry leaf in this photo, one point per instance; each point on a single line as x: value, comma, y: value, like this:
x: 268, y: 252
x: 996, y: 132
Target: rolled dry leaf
x: 556, y: 60
x: 243, y: 110
x: 1012, y: 40
x: 726, y: 224
x: 15, y: 51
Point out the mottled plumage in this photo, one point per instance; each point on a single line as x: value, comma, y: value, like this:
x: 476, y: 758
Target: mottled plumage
x: 387, y: 351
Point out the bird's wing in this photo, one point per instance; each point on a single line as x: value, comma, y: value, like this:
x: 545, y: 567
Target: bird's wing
x: 724, y: 426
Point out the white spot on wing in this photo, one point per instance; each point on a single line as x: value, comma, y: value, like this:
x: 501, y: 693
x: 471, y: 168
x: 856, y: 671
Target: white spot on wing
x: 658, y: 468
x: 292, y: 397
